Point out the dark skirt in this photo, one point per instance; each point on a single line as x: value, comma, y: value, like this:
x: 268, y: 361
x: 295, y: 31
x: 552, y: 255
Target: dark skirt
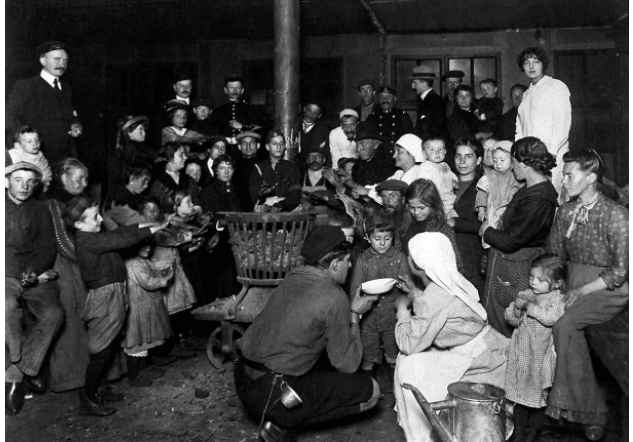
x: 507, y: 275
x: 575, y: 394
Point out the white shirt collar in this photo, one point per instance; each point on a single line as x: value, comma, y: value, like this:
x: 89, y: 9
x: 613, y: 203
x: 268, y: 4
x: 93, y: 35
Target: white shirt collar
x: 184, y: 100
x: 425, y: 93
x: 50, y: 78
x: 179, y: 132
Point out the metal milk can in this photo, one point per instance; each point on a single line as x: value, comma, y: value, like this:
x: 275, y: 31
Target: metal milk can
x: 473, y: 412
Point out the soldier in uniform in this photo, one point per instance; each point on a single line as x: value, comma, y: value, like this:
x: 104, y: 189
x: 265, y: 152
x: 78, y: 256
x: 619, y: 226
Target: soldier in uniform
x: 236, y: 115
x: 392, y: 122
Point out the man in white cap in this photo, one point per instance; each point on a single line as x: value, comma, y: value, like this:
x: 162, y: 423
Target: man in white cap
x: 408, y: 156
x: 341, y: 141
x: 430, y: 121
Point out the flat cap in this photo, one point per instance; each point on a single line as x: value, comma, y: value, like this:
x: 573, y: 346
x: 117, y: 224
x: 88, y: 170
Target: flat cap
x: 387, y: 89
x: 366, y: 82
x: 392, y: 185
x: 453, y: 74
x: 22, y: 165
x: 347, y: 113
x: 412, y: 144
x: 422, y: 73
x: 51, y: 46
x: 248, y: 133
x: 320, y: 241
x: 75, y: 208
x: 202, y: 101
x: 368, y: 130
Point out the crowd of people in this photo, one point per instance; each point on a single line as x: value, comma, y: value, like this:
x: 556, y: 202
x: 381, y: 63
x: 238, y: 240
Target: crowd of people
x: 500, y: 246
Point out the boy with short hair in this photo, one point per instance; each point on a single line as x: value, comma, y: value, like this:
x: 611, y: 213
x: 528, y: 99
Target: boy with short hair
x: 489, y: 106
x: 436, y: 170
x: 377, y: 327
x: 104, y: 272
x: 27, y: 148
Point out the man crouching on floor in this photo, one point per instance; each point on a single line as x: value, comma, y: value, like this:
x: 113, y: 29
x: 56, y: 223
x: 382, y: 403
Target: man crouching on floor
x: 307, y: 315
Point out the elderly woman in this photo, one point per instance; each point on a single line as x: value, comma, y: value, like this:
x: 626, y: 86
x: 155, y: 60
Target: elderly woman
x: 525, y: 227
x: 468, y: 157
x: 426, y: 214
x: 69, y: 351
x: 172, y: 177
x: 591, y: 232
x: 445, y: 338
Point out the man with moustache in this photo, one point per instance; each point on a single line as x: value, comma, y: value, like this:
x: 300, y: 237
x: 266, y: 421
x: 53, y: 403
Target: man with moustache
x: 341, y: 142
x: 312, y: 133
x: 391, y: 193
x: 235, y: 115
x: 392, y: 122
x: 46, y: 103
x: 375, y: 163
x: 313, y: 178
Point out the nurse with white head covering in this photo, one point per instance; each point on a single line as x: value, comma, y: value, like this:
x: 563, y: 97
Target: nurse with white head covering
x: 442, y: 333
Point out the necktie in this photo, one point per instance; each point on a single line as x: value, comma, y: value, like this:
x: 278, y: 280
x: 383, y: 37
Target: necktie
x: 56, y: 86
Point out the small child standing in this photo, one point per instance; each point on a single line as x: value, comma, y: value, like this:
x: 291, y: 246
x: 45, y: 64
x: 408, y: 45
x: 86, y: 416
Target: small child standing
x: 104, y: 272
x: 27, y: 148
x: 532, y: 359
x: 377, y: 327
x: 489, y: 106
x: 147, y: 324
x: 435, y: 169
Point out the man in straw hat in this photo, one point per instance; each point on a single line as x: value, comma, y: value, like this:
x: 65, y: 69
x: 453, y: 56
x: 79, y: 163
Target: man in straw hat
x: 30, y: 284
x: 308, y: 316
x: 431, y: 119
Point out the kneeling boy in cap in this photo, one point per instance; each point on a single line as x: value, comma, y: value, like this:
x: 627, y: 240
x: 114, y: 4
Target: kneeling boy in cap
x: 307, y: 315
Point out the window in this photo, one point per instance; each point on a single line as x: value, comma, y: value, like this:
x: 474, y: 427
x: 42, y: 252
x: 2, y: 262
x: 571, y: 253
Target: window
x: 475, y: 69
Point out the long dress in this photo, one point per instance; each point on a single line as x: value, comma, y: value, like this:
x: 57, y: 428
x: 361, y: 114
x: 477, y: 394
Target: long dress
x: 148, y: 320
x: 526, y: 224
x: 597, y: 248
x: 532, y: 358
x: 443, y: 342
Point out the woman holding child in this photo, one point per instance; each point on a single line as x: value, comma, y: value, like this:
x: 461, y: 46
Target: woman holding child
x: 591, y: 233
x: 524, y: 228
x: 442, y: 333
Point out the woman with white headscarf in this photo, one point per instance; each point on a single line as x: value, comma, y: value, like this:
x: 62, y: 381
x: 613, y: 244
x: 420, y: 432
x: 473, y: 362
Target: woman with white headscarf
x: 445, y: 338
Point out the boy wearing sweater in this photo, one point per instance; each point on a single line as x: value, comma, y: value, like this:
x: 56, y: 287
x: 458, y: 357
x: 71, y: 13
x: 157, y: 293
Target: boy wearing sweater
x: 104, y: 272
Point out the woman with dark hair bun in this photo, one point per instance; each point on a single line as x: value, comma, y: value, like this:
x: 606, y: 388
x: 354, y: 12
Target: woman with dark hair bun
x: 525, y: 226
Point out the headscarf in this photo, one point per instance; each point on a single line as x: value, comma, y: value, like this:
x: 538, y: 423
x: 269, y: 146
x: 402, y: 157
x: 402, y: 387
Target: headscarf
x: 433, y: 253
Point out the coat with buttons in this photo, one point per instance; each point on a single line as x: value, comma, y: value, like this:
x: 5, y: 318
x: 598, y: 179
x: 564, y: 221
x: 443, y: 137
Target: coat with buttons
x: 392, y: 125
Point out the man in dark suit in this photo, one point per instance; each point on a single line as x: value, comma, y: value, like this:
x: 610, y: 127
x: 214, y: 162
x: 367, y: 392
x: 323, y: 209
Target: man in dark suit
x: 430, y: 119
x: 312, y: 134
x: 392, y: 122
x: 451, y: 79
x: 45, y: 103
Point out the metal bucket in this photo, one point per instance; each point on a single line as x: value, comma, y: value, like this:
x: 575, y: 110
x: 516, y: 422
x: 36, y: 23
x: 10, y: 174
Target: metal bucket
x: 473, y: 412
